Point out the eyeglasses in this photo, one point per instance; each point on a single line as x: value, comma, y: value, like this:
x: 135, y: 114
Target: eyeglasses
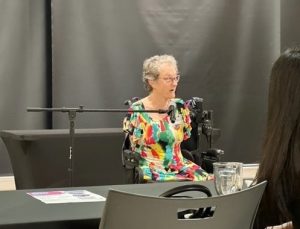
x: 171, y: 79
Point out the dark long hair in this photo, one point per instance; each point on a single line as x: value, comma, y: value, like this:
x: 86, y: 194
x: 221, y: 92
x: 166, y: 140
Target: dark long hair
x: 280, y: 162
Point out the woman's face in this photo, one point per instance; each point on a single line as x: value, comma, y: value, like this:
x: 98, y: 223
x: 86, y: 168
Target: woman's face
x: 166, y: 83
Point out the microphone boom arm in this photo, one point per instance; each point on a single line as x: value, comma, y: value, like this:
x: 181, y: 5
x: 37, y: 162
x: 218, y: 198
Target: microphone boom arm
x: 72, y: 111
x: 81, y: 109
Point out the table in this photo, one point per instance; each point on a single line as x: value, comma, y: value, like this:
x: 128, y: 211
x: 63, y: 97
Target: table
x: 19, y: 210
x: 40, y: 158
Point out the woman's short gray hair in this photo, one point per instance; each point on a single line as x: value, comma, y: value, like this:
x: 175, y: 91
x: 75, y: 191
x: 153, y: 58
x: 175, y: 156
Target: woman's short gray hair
x: 151, y: 68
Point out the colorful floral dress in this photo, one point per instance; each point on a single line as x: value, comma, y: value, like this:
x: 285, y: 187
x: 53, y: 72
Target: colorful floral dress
x: 158, y: 144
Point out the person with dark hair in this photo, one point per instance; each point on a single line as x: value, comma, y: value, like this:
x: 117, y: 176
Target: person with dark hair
x: 155, y: 137
x: 280, y: 162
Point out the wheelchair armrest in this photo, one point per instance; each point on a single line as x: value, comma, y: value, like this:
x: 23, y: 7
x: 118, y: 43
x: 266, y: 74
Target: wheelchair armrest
x: 131, y: 159
x: 212, y: 153
x: 210, y: 156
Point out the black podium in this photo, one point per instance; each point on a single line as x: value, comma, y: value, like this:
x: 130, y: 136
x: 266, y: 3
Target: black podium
x: 40, y: 158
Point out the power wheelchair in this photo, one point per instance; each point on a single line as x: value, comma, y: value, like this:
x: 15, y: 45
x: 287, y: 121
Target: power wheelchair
x: 202, y: 124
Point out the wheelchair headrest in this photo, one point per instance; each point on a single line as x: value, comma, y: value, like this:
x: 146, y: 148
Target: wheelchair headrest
x: 129, y: 102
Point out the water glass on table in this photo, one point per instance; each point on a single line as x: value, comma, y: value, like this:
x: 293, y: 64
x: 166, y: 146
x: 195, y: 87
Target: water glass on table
x: 228, y: 177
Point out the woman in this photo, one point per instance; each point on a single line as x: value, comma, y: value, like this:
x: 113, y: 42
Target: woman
x: 154, y: 136
x: 280, y: 163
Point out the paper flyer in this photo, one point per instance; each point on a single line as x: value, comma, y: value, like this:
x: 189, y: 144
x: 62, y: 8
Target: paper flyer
x: 72, y: 196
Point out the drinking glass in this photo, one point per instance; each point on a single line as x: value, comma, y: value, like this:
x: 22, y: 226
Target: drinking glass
x: 228, y: 177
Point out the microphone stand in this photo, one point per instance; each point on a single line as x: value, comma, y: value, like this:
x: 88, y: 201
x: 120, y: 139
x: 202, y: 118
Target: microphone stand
x: 206, y: 126
x: 72, y: 116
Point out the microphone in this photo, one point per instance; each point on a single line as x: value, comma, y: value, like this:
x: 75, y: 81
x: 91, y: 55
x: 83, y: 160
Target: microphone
x: 171, y: 113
